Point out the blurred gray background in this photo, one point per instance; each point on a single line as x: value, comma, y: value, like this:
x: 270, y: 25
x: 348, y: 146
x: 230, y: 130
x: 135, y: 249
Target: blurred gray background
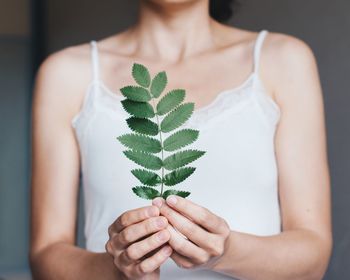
x: 30, y: 30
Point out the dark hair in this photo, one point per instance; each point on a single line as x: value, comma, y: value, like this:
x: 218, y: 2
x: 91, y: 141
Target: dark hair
x: 222, y: 10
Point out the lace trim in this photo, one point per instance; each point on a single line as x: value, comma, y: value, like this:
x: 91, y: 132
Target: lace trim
x: 225, y: 101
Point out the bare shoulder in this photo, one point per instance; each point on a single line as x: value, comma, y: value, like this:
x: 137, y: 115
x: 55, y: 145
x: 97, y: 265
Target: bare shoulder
x: 63, y: 77
x: 287, y: 50
x: 287, y: 63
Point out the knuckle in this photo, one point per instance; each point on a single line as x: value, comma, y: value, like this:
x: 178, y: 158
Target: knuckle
x: 223, y: 226
x: 144, y: 267
x: 114, y: 241
x: 123, y: 220
x: 124, y: 237
x: 203, y: 258
x: 110, y: 230
x: 217, y: 250
x: 109, y: 247
x: 131, y: 253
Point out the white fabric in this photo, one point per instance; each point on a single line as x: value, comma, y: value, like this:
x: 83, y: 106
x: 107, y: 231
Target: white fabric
x: 236, y: 178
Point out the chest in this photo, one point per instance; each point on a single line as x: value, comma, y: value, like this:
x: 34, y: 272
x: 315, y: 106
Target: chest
x: 203, y: 79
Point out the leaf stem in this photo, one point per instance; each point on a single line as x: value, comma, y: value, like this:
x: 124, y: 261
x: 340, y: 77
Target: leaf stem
x: 161, y: 143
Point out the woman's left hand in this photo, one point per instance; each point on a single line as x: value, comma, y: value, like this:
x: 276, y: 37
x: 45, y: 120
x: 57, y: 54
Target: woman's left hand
x: 206, y: 234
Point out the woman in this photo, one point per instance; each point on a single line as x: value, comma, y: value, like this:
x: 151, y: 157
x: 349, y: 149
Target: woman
x: 260, y: 202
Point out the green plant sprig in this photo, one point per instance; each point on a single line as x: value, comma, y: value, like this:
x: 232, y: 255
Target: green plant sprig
x: 148, y: 132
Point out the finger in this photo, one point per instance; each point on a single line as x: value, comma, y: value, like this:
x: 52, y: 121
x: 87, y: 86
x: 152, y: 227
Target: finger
x: 182, y: 261
x: 133, y: 216
x: 158, y: 201
x: 139, y: 249
x: 198, y: 214
x: 154, y: 262
x: 192, y: 231
x: 186, y: 248
x: 134, y: 232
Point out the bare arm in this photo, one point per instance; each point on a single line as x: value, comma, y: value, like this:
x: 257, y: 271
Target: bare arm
x: 54, y: 181
x: 303, y: 249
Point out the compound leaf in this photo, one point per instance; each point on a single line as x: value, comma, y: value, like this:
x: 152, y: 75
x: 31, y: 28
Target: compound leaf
x: 142, y: 125
x: 144, y: 159
x: 146, y: 177
x: 138, y: 109
x: 158, y: 84
x: 175, y: 192
x: 178, y: 175
x: 180, y: 139
x: 141, y: 75
x: 169, y: 101
x: 146, y: 192
x: 181, y: 158
x: 136, y: 93
x: 140, y: 142
x: 177, y: 117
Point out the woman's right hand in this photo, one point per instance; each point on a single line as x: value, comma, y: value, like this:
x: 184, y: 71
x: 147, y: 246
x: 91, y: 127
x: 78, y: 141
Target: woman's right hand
x: 134, y: 235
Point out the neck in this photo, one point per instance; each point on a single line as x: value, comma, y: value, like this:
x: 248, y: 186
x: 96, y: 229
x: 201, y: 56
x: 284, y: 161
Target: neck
x: 173, y: 31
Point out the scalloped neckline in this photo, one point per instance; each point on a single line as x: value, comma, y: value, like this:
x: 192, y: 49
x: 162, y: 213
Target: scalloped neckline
x: 216, y: 99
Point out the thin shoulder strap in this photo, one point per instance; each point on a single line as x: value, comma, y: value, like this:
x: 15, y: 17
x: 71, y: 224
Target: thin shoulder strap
x: 95, y: 60
x: 257, y: 49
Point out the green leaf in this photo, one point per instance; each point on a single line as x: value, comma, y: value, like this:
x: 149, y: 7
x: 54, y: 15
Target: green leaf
x: 146, y: 160
x: 141, y: 125
x: 145, y: 192
x: 178, y: 175
x: 177, y: 117
x: 170, y: 101
x: 140, y: 142
x: 141, y: 75
x: 138, y: 109
x: 136, y: 93
x: 175, y: 192
x: 181, y: 158
x: 146, y: 177
x: 158, y: 84
x: 180, y: 139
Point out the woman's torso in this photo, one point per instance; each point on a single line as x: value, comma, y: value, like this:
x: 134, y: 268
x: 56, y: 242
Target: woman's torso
x: 236, y: 178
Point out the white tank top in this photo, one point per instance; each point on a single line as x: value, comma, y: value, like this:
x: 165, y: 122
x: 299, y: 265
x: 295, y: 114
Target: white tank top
x: 236, y: 178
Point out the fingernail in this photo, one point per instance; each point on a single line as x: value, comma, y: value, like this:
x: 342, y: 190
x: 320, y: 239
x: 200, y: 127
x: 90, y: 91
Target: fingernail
x: 157, y: 202
x: 171, y: 200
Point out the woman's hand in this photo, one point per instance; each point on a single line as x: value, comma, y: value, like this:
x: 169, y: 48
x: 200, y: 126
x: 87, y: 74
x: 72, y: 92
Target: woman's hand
x: 206, y: 235
x: 132, y: 239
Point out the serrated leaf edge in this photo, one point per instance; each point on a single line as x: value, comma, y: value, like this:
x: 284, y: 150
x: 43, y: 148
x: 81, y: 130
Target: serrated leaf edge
x: 184, y: 145
x: 145, y: 187
x: 133, y: 73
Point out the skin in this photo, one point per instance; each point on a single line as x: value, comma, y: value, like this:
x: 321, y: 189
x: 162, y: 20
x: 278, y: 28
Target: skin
x: 181, y: 38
